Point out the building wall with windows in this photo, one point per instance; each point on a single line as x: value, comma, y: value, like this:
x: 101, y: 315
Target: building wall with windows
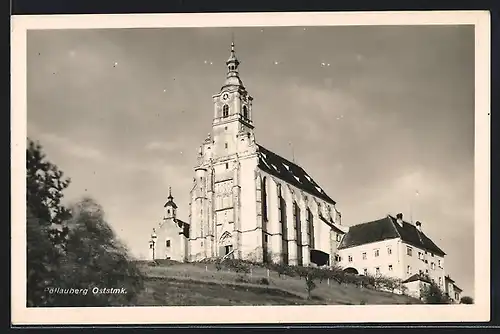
x: 395, y: 263
x: 377, y: 258
x: 452, y: 290
x: 293, y: 222
x: 420, y: 261
x: 169, y: 239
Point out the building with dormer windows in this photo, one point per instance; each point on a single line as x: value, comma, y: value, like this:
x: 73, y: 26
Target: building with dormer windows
x: 395, y: 248
x: 246, y: 201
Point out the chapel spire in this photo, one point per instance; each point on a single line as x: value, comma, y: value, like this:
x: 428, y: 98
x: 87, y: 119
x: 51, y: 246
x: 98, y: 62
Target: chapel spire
x: 170, y: 201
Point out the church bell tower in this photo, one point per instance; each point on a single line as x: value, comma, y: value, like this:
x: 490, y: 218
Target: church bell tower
x: 232, y: 111
x: 216, y: 192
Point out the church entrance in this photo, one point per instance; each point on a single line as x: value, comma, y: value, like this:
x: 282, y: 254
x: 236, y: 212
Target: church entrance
x: 226, y: 245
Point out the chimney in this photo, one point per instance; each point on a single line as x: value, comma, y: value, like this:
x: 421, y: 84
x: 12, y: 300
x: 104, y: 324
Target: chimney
x: 399, y: 219
x: 419, y: 226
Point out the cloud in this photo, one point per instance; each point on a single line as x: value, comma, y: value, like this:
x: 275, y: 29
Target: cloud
x: 71, y: 147
x: 162, y: 146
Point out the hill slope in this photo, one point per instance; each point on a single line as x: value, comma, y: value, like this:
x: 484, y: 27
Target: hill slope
x: 198, y: 284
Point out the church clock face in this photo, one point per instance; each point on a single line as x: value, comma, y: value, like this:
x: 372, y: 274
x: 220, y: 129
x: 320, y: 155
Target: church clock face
x: 225, y: 96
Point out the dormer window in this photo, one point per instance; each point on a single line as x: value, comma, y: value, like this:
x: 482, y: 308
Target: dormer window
x: 225, y: 111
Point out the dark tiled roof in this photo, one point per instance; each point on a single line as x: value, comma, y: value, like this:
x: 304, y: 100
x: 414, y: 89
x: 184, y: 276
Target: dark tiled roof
x: 416, y: 277
x: 455, y: 287
x: 184, y: 226
x: 388, y: 228
x: 291, y: 173
x: 171, y: 203
x: 411, y: 235
x: 374, y: 231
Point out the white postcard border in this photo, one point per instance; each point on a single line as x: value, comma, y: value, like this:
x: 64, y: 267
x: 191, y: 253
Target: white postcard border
x: 480, y: 311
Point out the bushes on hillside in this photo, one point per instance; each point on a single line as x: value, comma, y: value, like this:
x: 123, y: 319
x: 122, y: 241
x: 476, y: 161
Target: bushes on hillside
x: 313, y: 275
x: 466, y: 300
x: 431, y: 293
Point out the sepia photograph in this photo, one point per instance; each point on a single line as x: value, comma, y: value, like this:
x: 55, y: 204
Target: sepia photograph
x: 279, y: 163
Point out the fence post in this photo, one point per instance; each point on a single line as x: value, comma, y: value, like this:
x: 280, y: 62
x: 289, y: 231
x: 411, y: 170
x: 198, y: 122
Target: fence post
x: 328, y: 281
x: 206, y: 268
x: 250, y: 272
x: 268, y: 273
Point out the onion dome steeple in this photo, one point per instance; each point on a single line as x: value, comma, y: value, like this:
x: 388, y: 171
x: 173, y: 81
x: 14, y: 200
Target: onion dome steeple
x: 232, y: 77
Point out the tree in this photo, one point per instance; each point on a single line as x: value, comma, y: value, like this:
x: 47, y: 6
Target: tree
x: 44, y: 191
x: 466, y: 300
x: 70, y: 250
x: 432, y: 294
x: 42, y: 262
x: 310, y: 274
x: 96, y: 259
x: 45, y: 230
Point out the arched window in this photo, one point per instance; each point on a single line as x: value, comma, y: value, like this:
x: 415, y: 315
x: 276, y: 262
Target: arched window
x: 264, y: 199
x: 297, y: 229
x: 225, y: 111
x: 263, y: 193
x: 245, y: 112
x: 282, y: 220
x: 310, y: 228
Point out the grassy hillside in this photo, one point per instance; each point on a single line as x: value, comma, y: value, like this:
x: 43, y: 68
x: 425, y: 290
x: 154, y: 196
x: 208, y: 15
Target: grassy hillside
x: 202, y: 284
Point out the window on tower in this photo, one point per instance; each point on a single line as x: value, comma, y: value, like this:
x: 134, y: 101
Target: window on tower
x: 245, y: 112
x: 225, y: 111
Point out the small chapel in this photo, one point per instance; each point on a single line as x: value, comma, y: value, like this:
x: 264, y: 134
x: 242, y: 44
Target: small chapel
x: 247, y: 202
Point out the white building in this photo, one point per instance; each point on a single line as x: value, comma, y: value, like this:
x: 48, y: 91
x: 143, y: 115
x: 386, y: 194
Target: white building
x: 452, y: 289
x: 394, y: 248
x: 247, y: 201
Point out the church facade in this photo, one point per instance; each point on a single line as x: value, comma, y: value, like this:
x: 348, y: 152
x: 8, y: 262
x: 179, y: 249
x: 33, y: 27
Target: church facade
x: 246, y: 201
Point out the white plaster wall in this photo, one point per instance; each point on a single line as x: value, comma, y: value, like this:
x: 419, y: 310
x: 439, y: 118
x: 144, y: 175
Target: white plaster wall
x: 169, y: 231
x: 372, y: 262
x: 417, y: 264
x: 250, y: 236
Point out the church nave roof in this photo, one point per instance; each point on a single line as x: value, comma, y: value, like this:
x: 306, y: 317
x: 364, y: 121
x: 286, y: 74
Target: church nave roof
x: 290, y: 172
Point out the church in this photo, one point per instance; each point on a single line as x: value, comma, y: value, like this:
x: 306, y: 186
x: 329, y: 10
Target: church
x: 247, y: 202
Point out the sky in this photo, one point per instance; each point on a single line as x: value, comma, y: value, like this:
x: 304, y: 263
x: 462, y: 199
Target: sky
x: 381, y: 117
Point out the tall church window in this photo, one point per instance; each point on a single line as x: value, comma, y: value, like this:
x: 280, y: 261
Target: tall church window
x: 245, y: 112
x: 264, y: 199
x: 310, y: 228
x: 297, y: 230
x: 225, y: 111
x: 282, y: 218
x: 264, y: 221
